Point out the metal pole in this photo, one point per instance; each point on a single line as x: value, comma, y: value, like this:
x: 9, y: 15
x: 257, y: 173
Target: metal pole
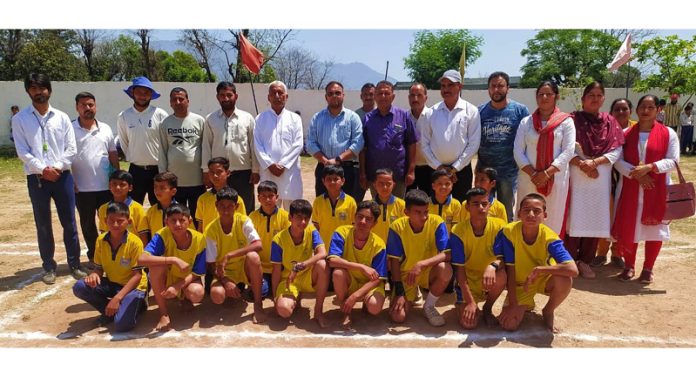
x: 253, y: 94
x: 387, y: 71
x: 628, y: 73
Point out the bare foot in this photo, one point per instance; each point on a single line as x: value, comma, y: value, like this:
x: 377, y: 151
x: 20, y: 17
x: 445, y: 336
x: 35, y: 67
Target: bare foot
x: 259, y: 315
x: 186, y: 305
x: 163, y: 324
x: 319, y: 317
x: 347, y: 322
x: 489, y: 318
x: 548, y: 320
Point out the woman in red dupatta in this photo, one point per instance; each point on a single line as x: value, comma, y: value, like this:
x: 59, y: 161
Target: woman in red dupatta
x: 650, y: 152
x: 599, y: 139
x: 543, y: 146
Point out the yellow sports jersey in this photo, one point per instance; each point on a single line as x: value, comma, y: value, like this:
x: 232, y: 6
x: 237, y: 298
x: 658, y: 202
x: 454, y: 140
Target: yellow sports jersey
x: 390, y: 211
x: 373, y: 253
x: 410, y: 247
x: 220, y: 243
x: 153, y: 221
x: 327, y: 217
x: 118, y: 265
x: 163, y: 245
x: 497, y: 210
x: 206, y: 211
x: 547, y: 250
x: 267, y: 226
x: 136, y: 215
x: 284, y: 251
x: 449, y: 210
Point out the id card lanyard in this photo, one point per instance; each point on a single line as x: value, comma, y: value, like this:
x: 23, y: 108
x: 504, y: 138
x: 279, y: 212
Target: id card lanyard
x: 44, y: 140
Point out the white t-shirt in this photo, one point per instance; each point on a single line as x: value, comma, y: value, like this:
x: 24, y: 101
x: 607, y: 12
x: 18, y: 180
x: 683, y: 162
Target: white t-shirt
x: 91, y: 165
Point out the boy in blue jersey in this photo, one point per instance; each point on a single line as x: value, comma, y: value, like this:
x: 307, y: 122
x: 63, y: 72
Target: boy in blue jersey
x: 117, y: 286
x: 176, y: 258
x: 359, y: 260
x: 299, y: 265
x: 535, y: 261
x: 417, y: 248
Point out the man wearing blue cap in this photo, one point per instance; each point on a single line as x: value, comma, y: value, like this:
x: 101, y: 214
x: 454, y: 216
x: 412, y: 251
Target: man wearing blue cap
x: 138, y: 131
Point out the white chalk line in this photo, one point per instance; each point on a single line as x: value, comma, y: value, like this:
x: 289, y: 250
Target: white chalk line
x: 17, y: 287
x: 19, y: 310
x: 522, y: 336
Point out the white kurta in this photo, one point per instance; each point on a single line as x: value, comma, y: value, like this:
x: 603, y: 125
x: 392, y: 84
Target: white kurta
x: 649, y: 232
x: 278, y: 139
x: 525, y: 150
x: 589, y: 213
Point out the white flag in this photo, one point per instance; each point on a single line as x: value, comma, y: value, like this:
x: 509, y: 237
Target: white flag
x: 622, y: 56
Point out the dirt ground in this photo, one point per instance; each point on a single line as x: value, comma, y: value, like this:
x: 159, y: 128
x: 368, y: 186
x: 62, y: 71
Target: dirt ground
x: 598, y: 313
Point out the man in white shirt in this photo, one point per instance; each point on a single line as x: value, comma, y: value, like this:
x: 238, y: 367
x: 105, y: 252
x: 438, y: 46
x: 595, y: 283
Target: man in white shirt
x: 45, y: 142
x: 138, y: 133
x: 229, y: 133
x: 452, y: 136
x: 420, y: 113
x: 96, y: 158
x: 278, y: 144
x: 181, y: 136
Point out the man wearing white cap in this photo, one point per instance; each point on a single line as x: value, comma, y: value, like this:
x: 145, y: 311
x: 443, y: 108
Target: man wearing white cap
x: 452, y: 135
x: 138, y: 132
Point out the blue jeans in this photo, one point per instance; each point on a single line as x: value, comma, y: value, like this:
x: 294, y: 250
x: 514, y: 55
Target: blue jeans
x: 62, y: 192
x: 505, y: 192
x: 99, y: 296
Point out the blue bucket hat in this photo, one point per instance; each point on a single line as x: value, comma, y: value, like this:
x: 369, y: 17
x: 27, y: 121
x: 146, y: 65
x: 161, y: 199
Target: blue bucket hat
x: 145, y: 83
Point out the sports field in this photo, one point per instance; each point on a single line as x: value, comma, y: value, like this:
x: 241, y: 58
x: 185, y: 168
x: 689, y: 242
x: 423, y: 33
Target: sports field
x: 598, y: 313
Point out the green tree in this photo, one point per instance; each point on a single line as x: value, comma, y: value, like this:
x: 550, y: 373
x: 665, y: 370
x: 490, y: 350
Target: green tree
x: 180, y: 66
x: 51, y: 52
x: 673, y: 64
x: 117, y: 59
x: 570, y: 58
x: 432, y: 53
x: 625, y: 77
x: 11, y: 44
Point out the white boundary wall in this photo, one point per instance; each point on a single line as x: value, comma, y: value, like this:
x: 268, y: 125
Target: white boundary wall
x: 111, y: 99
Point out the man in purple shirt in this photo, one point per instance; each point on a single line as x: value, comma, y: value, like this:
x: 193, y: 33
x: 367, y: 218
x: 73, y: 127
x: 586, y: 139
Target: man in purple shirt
x: 390, y: 142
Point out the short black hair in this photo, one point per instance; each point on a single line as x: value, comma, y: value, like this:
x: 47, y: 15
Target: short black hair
x: 501, y: 74
x: 332, y: 83
x: 628, y: 102
x: 301, y: 207
x: 436, y: 174
x: 225, y: 85
x: 332, y: 170
x: 385, y: 83
x: 491, y: 173
x: 40, y: 79
x: 117, y: 208
x: 267, y: 186
x: 367, y: 85
x: 177, y: 209
x: 121, y: 175
x: 220, y: 160
x: 384, y: 171
x: 416, y: 198
x: 13, y: 107
x: 227, y: 193
x: 168, y: 177
x: 534, y: 196
x: 475, y: 191
x: 372, y: 206
x: 82, y: 95
x: 178, y: 89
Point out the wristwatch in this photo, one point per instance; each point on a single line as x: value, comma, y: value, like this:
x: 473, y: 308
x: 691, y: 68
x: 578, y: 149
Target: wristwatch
x: 495, y: 265
x: 338, y: 159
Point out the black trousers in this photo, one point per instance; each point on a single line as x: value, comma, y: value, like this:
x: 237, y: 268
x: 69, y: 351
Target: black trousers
x: 352, y: 185
x: 143, y: 183
x: 239, y: 180
x: 87, y: 204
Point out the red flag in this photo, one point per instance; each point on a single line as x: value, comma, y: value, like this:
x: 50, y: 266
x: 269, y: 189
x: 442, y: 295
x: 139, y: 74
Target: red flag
x: 622, y: 56
x: 252, y: 58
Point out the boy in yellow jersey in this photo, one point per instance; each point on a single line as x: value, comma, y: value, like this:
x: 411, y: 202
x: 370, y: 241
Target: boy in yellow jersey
x: 268, y: 221
x: 334, y: 208
x: 480, y: 276
x: 299, y: 265
x: 442, y: 203
x: 232, y: 250
x: 417, y: 248
x: 117, y: 286
x: 391, y: 207
x: 206, y: 212
x: 165, y: 188
x: 535, y: 261
x: 359, y: 260
x: 176, y: 258
x: 485, y: 178
x: 120, y: 185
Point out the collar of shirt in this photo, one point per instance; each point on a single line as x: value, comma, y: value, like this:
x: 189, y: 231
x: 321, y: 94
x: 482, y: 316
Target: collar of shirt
x: 94, y: 127
x: 391, y: 200
x: 341, y: 196
x: 124, y: 238
x: 149, y: 108
x: 447, y: 201
x: 461, y: 104
x: 221, y: 114
x: 340, y: 113
x: 275, y: 210
x: 376, y: 111
x: 49, y: 112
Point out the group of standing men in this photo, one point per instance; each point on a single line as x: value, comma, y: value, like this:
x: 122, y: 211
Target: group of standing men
x: 70, y: 161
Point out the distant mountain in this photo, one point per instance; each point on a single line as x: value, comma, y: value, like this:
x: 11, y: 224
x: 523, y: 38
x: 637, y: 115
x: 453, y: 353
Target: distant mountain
x: 351, y: 75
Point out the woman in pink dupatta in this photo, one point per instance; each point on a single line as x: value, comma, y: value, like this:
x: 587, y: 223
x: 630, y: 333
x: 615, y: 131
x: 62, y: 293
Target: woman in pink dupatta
x: 544, y: 144
x: 599, y: 139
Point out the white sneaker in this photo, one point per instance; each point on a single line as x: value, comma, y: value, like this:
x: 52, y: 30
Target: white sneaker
x: 434, y: 317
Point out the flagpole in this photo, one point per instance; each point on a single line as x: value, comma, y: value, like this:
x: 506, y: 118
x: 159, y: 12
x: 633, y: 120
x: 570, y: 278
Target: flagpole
x: 628, y: 73
x: 253, y: 94
x: 386, y: 72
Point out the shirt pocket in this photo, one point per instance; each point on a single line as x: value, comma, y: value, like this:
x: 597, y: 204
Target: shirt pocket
x: 395, y: 137
x: 343, y: 133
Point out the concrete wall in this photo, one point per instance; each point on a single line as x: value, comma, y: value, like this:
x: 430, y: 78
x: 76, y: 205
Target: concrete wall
x: 111, y: 99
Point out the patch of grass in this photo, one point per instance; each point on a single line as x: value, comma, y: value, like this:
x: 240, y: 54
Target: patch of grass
x: 11, y: 168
